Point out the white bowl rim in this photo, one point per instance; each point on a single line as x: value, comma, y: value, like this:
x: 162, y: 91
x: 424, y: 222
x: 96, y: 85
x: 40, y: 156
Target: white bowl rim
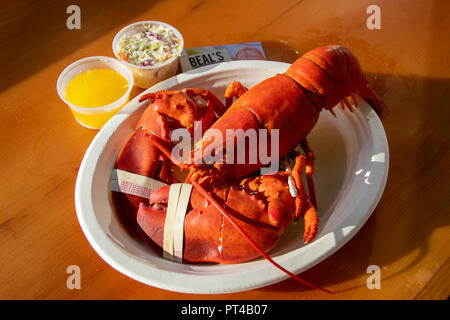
x: 124, y: 263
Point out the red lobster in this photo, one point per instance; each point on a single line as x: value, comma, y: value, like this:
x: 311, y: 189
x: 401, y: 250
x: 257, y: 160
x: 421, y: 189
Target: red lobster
x: 229, y: 197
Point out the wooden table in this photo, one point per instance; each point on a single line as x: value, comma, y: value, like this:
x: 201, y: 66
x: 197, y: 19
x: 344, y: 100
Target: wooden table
x: 407, y: 61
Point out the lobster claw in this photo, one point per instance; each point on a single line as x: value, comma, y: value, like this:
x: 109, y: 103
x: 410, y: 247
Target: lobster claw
x: 184, y: 106
x: 262, y: 206
x: 202, y: 225
x: 142, y: 155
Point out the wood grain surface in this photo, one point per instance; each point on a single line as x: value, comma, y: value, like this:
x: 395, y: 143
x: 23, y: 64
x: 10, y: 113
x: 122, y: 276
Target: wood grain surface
x: 407, y: 61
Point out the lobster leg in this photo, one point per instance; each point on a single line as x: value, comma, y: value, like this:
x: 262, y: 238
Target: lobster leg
x: 303, y: 205
x: 216, y: 104
x: 309, y: 171
x: 234, y: 89
x: 311, y: 221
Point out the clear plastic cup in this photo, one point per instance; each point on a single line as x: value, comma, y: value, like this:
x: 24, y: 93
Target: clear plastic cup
x: 94, y: 118
x: 147, y: 76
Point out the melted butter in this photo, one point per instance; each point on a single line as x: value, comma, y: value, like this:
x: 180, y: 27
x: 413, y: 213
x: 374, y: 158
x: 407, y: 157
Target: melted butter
x: 96, y: 88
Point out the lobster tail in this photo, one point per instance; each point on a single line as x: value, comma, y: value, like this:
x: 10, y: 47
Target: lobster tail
x: 330, y: 74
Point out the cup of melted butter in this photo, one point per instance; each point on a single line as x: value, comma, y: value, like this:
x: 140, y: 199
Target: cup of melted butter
x: 95, y: 89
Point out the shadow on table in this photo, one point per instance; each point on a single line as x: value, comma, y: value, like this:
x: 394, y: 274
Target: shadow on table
x: 40, y: 27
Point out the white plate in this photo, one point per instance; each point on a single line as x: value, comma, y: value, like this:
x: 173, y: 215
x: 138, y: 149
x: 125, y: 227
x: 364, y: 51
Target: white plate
x: 352, y: 159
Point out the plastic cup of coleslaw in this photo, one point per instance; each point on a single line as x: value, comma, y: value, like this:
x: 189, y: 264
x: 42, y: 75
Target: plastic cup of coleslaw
x: 151, y: 49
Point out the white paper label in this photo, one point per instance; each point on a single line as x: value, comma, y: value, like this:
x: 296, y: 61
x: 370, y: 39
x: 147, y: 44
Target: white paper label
x: 131, y: 183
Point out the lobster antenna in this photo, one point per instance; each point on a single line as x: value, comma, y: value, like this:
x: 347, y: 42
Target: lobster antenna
x: 254, y: 245
x: 164, y: 150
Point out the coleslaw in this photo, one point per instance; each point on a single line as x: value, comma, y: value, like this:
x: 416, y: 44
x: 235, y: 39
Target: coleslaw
x: 153, y: 46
